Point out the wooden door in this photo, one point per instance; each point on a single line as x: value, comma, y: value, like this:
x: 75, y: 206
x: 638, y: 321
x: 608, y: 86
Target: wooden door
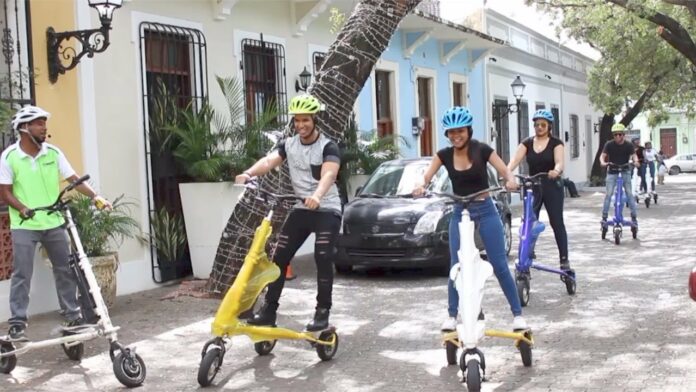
x: 668, y: 141
x: 425, y: 111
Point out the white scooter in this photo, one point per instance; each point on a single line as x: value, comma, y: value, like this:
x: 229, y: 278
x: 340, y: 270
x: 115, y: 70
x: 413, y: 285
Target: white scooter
x: 649, y: 192
x: 469, y: 276
x: 128, y: 367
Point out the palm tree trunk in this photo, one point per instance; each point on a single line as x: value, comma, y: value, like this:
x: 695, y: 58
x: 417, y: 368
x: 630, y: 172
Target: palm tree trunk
x: 347, y: 66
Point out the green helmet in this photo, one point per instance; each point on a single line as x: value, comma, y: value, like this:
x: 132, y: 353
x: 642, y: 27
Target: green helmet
x: 304, y: 104
x: 618, y: 127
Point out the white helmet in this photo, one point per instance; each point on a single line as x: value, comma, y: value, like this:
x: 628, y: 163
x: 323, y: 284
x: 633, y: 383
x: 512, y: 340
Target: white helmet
x: 27, y: 114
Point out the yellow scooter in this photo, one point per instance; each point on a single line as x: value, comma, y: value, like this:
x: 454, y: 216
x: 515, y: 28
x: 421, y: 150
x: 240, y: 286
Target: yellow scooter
x: 256, y: 273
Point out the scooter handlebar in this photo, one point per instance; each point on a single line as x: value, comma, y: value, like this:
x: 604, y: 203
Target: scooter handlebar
x: 464, y: 199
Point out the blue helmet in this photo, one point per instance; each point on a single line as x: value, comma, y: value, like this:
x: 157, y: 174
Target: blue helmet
x: 543, y: 114
x: 457, y: 117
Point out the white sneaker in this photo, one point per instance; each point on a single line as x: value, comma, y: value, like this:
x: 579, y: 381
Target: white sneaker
x: 450, y: 324
x: 519, y: 323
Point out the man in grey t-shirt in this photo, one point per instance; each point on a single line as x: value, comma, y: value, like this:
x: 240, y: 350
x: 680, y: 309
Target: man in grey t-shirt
x: 313, y: 160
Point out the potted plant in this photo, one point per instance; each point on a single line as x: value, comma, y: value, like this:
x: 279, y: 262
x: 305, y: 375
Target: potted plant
x: 212, y: 149
x: 101, y: 233
x: 362, y: 153
x: 168, y: 238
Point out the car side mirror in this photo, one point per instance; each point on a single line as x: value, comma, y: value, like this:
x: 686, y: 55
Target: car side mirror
x: 358, y: 190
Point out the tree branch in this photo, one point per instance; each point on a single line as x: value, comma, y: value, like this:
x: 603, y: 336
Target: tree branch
x: 688, y: 4
x: 669, y: 29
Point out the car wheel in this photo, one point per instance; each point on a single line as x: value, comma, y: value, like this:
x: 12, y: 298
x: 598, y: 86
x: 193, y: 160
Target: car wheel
x: 507, y: 230
x: 344, y: 269
x: 674, y: 170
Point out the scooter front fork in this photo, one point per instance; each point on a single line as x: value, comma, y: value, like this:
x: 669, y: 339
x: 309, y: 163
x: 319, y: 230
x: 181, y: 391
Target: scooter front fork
x: 87, y: 303
x: 473, y: 352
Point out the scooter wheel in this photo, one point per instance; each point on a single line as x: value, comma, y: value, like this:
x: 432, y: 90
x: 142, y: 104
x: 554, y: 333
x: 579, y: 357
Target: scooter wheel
x: 473, y: 376
x: 655, y: 198
x: 75, y: 352
x: 634, y: 232
x: 570, y: 284
x: 129, y: 369
x: 7, y: 364
x: 265, y: 347
x: 327, y: 351
x: 525, y: 350
x: 523, y: 289
x: 617, y: 238
x: 209, y: 367
x: 451, y: 350
x: 647, y: 202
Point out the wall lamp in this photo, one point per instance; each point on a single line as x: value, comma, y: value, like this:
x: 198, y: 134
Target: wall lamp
x: 63, y: 58
x: 596, y: 126
x: 502, y: 110
x: 305, y: 78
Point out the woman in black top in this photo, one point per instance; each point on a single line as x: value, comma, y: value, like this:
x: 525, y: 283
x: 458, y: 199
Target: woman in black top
x: 545, y: 153
x: 466, y: 163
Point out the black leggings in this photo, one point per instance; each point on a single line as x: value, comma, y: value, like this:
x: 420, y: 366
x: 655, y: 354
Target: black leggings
x: 552, y: 198
x: 298, y: 226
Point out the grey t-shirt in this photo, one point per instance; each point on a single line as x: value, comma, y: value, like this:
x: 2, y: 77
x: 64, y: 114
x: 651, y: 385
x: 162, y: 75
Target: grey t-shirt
x: 304, y: 162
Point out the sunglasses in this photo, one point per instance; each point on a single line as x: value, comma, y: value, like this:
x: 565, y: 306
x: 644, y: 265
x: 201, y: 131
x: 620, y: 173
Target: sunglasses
x: 619, y: 134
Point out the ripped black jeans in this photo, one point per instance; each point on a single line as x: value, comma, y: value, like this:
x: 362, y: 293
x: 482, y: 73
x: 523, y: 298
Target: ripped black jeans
x: 297, y: 227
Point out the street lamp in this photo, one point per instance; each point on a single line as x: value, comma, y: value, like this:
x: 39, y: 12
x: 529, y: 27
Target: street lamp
x: 91, y: 41
x: 502, y: 110
x: 305, y: 80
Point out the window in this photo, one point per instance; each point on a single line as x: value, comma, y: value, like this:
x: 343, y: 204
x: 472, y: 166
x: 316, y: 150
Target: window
x: 318, y: 61
x: 458, y: 94
x: 574, y: 139
x: 175, y: 76
x: 539, y: 106
x: 385, y: 122
x: 263, y: 64
x: 556, y: 121
x: 17, y: 72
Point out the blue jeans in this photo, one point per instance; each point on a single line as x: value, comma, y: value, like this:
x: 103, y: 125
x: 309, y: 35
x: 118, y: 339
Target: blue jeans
x: 491, y: 229
x: 647, y: 167
x: 611, y: 185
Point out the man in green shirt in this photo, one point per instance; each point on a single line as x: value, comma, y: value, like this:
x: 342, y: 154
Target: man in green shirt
x: 30, y: 174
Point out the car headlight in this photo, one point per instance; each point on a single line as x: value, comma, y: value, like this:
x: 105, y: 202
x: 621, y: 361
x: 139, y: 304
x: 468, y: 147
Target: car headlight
x: 428, y: 222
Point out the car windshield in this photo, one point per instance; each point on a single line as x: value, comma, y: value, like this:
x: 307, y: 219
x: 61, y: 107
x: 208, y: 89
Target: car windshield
x: 394, y: 179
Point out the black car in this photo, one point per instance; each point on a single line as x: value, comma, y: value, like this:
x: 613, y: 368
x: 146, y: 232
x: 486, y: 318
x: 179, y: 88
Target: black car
x: 385, y: 227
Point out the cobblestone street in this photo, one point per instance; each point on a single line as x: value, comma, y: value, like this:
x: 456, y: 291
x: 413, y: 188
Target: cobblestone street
x: 631, y: 326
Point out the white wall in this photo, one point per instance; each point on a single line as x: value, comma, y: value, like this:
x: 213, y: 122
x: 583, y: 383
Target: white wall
x: 115, y: 107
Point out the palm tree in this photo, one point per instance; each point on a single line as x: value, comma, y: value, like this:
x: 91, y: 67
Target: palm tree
x: 347, y: 66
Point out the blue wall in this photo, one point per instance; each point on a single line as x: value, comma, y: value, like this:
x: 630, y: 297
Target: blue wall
x: 426, y: 56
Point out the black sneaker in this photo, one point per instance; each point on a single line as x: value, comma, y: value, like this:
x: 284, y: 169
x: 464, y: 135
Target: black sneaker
x: 17, y: 333
x: 74, y: 325
x: 265, y: 317
x: 320, y: 321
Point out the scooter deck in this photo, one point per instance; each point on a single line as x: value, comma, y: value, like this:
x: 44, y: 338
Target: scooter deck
x: 523, y: 335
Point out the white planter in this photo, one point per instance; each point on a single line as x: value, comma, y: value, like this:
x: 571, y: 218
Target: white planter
x: 354, y: 182
x: 207, y: 208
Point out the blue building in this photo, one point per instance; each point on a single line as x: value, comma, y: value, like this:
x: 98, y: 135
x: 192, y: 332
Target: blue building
x: 430, y: 65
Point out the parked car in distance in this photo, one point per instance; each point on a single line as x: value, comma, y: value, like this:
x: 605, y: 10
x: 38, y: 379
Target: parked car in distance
x: 385, y: 227
x: 681, y: 163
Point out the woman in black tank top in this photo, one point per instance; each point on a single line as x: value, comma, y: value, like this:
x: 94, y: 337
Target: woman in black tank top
x: 545, y: 153
x: 466, y: 163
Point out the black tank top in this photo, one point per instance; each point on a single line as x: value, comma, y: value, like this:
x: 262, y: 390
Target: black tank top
x: 474, y: 179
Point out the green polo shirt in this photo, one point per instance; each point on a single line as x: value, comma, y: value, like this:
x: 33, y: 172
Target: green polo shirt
x: 35, y: 183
